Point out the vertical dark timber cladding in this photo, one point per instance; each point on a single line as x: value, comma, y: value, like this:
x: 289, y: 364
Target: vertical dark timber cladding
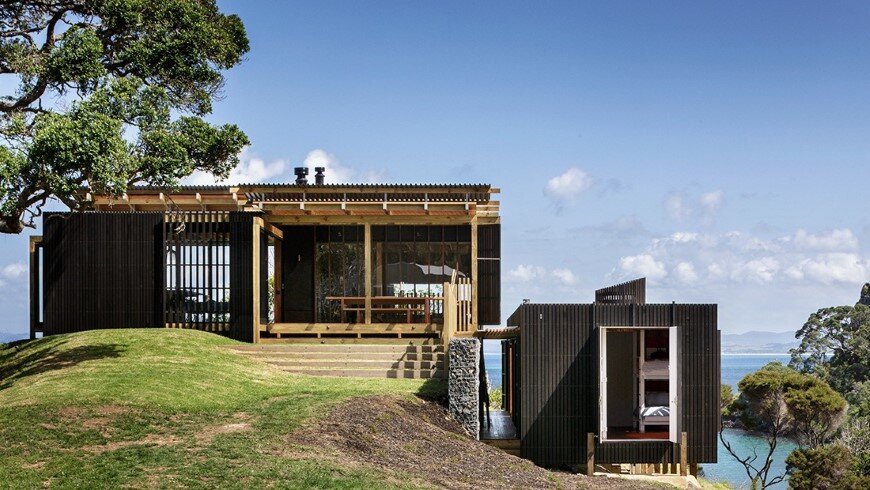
x: 298, y: 299
x: 242, y: 276
x: 556, y: 374
x: 558, y: 385
x: 102, y: 270
x: 489, y: 274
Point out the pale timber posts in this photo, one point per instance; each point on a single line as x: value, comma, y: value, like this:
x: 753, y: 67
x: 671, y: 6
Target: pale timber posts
x: 255, y: 258
x: 590, y: 454
x: 450, y: 312
x: 473, y: 298
x: 367, y: 271
x: 684, y: 448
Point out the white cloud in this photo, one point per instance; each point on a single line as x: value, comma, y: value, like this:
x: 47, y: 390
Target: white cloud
x: 568, y: 185
x: 685, y: 272
x: 761, y: 270
x: 13, y: 271
x: 744, y: 258
x: 255, y: 170
x: 676, y: 206
x: 565, y: 276
x: 712, y: 201
x: 533, y: 273
x: 684, y: 237
x: 832, y: 267
x: 527, y: 273
x: 643, y: 265
x: 250, y: 170
x: 833, y: 240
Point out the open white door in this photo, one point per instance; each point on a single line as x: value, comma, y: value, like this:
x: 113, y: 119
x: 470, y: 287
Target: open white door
x: 674, y: 383
x: 602, y: 383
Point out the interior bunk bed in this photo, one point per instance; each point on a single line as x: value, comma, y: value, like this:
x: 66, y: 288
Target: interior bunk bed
x: 653, y: 372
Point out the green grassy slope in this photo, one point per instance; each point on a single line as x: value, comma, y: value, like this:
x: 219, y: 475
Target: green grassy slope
x: 156, y: 408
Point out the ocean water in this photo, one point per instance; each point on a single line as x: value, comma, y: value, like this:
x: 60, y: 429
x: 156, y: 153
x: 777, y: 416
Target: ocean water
x: 734, y: 368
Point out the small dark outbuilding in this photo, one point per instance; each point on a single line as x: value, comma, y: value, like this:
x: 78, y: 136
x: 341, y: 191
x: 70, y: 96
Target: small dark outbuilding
x: 636, y: 378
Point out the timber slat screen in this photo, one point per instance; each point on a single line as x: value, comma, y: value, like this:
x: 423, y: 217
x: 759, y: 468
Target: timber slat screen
x: 557, y: 397
x: 627, y: 293
x: 102, y: 270
x: 197, y: 263
x: 489, y: 275
x: 242, y: 276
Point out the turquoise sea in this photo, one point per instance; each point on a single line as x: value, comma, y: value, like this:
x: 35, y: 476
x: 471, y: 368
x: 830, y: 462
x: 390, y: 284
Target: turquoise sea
x: 734, y: 367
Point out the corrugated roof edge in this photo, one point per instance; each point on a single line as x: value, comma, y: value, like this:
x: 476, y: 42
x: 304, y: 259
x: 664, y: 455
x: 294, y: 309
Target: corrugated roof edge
x: 311, y: 186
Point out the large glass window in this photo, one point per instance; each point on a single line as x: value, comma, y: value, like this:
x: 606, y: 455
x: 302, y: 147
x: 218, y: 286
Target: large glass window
x: 415, y: 262
x: 339, y: 281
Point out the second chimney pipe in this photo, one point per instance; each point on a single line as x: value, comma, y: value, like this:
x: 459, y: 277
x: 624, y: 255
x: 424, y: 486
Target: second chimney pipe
x: 318, y: 175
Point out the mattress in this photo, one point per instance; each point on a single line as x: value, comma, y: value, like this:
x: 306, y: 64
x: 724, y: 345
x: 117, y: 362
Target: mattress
x: 655, y: 411
x: 658, y: 369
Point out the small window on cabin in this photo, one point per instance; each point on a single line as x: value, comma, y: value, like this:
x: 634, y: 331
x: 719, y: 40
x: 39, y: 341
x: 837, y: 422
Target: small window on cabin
x: 638, y: 371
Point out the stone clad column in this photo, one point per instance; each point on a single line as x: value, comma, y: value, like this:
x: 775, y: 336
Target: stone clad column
x: 463, y: 385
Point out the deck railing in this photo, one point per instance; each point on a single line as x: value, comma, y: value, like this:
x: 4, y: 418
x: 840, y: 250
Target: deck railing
x: 457, y: 309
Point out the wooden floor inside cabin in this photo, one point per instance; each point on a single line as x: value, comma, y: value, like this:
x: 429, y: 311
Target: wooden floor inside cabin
x: 631, y: 434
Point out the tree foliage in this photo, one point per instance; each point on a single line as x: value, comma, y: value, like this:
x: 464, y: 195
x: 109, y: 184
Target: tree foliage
x: 835, y: 345
x: 111, y: 93
x: 830, y: 467
x: 777, y: 401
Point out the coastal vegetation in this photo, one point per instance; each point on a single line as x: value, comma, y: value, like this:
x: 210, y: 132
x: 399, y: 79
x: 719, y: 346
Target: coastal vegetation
x: 821, y: 400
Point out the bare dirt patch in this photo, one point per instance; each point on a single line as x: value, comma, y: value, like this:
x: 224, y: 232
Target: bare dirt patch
x: 420, y: 440
x: 149, y: 440
x: 240, y: 423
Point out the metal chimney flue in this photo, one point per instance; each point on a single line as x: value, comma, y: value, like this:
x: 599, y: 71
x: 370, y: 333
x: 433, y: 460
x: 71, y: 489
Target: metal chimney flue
x: 318, y: 175
x: 301, y: 172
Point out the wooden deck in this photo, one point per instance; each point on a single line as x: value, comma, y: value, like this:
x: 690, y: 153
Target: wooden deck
x: 501, y: 433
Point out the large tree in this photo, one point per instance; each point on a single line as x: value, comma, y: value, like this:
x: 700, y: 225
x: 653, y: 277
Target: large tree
x: 835, y: 345
x: 775, y: 402
x: 110, y: 93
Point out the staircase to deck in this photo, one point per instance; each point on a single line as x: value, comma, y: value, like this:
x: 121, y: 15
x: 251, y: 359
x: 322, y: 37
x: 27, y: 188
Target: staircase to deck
x: 362, y: 360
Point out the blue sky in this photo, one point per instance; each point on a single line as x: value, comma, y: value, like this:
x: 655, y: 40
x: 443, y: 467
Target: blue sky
x: 720, y: 149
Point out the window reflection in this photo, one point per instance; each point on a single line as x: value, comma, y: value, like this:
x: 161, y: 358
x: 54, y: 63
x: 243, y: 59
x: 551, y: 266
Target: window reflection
x: 416, y: 261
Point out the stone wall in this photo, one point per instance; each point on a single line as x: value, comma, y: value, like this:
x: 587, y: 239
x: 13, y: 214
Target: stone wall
x: 463, y: 385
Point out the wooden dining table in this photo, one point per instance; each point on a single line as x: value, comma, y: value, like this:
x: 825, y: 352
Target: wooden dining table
x: 387, y: 304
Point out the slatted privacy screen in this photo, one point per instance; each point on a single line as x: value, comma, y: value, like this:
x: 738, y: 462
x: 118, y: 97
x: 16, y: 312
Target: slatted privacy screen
x: 197, y: 270
x: 102, y: 270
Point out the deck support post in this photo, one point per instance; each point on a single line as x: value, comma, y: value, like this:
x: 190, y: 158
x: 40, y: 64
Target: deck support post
x: 367, y: 271
x: 590, y: 454
x: 684, y: 448
x: 255, y: 257
x: 473, y: 323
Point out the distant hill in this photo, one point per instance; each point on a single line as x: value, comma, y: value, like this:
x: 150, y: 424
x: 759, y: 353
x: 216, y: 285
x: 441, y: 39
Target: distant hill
x: 758, y: 342
x: 6, y: 337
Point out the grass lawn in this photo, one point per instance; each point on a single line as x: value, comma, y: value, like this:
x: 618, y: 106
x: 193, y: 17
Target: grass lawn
x: 166, y: 408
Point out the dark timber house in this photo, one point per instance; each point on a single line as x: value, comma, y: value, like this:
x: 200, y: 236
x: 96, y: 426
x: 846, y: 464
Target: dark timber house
x: 615, y: 382
x: 275, y: 263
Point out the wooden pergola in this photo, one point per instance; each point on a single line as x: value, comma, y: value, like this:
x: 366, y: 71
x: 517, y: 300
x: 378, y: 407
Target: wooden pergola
x: 278, y: 206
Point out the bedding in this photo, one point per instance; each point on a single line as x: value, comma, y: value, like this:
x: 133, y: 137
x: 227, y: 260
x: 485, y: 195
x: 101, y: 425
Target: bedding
x: 655, y: 369
x: 655, y: 411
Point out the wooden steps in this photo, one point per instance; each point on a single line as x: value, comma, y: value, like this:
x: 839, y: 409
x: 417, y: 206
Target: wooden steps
x: 351, y: 360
